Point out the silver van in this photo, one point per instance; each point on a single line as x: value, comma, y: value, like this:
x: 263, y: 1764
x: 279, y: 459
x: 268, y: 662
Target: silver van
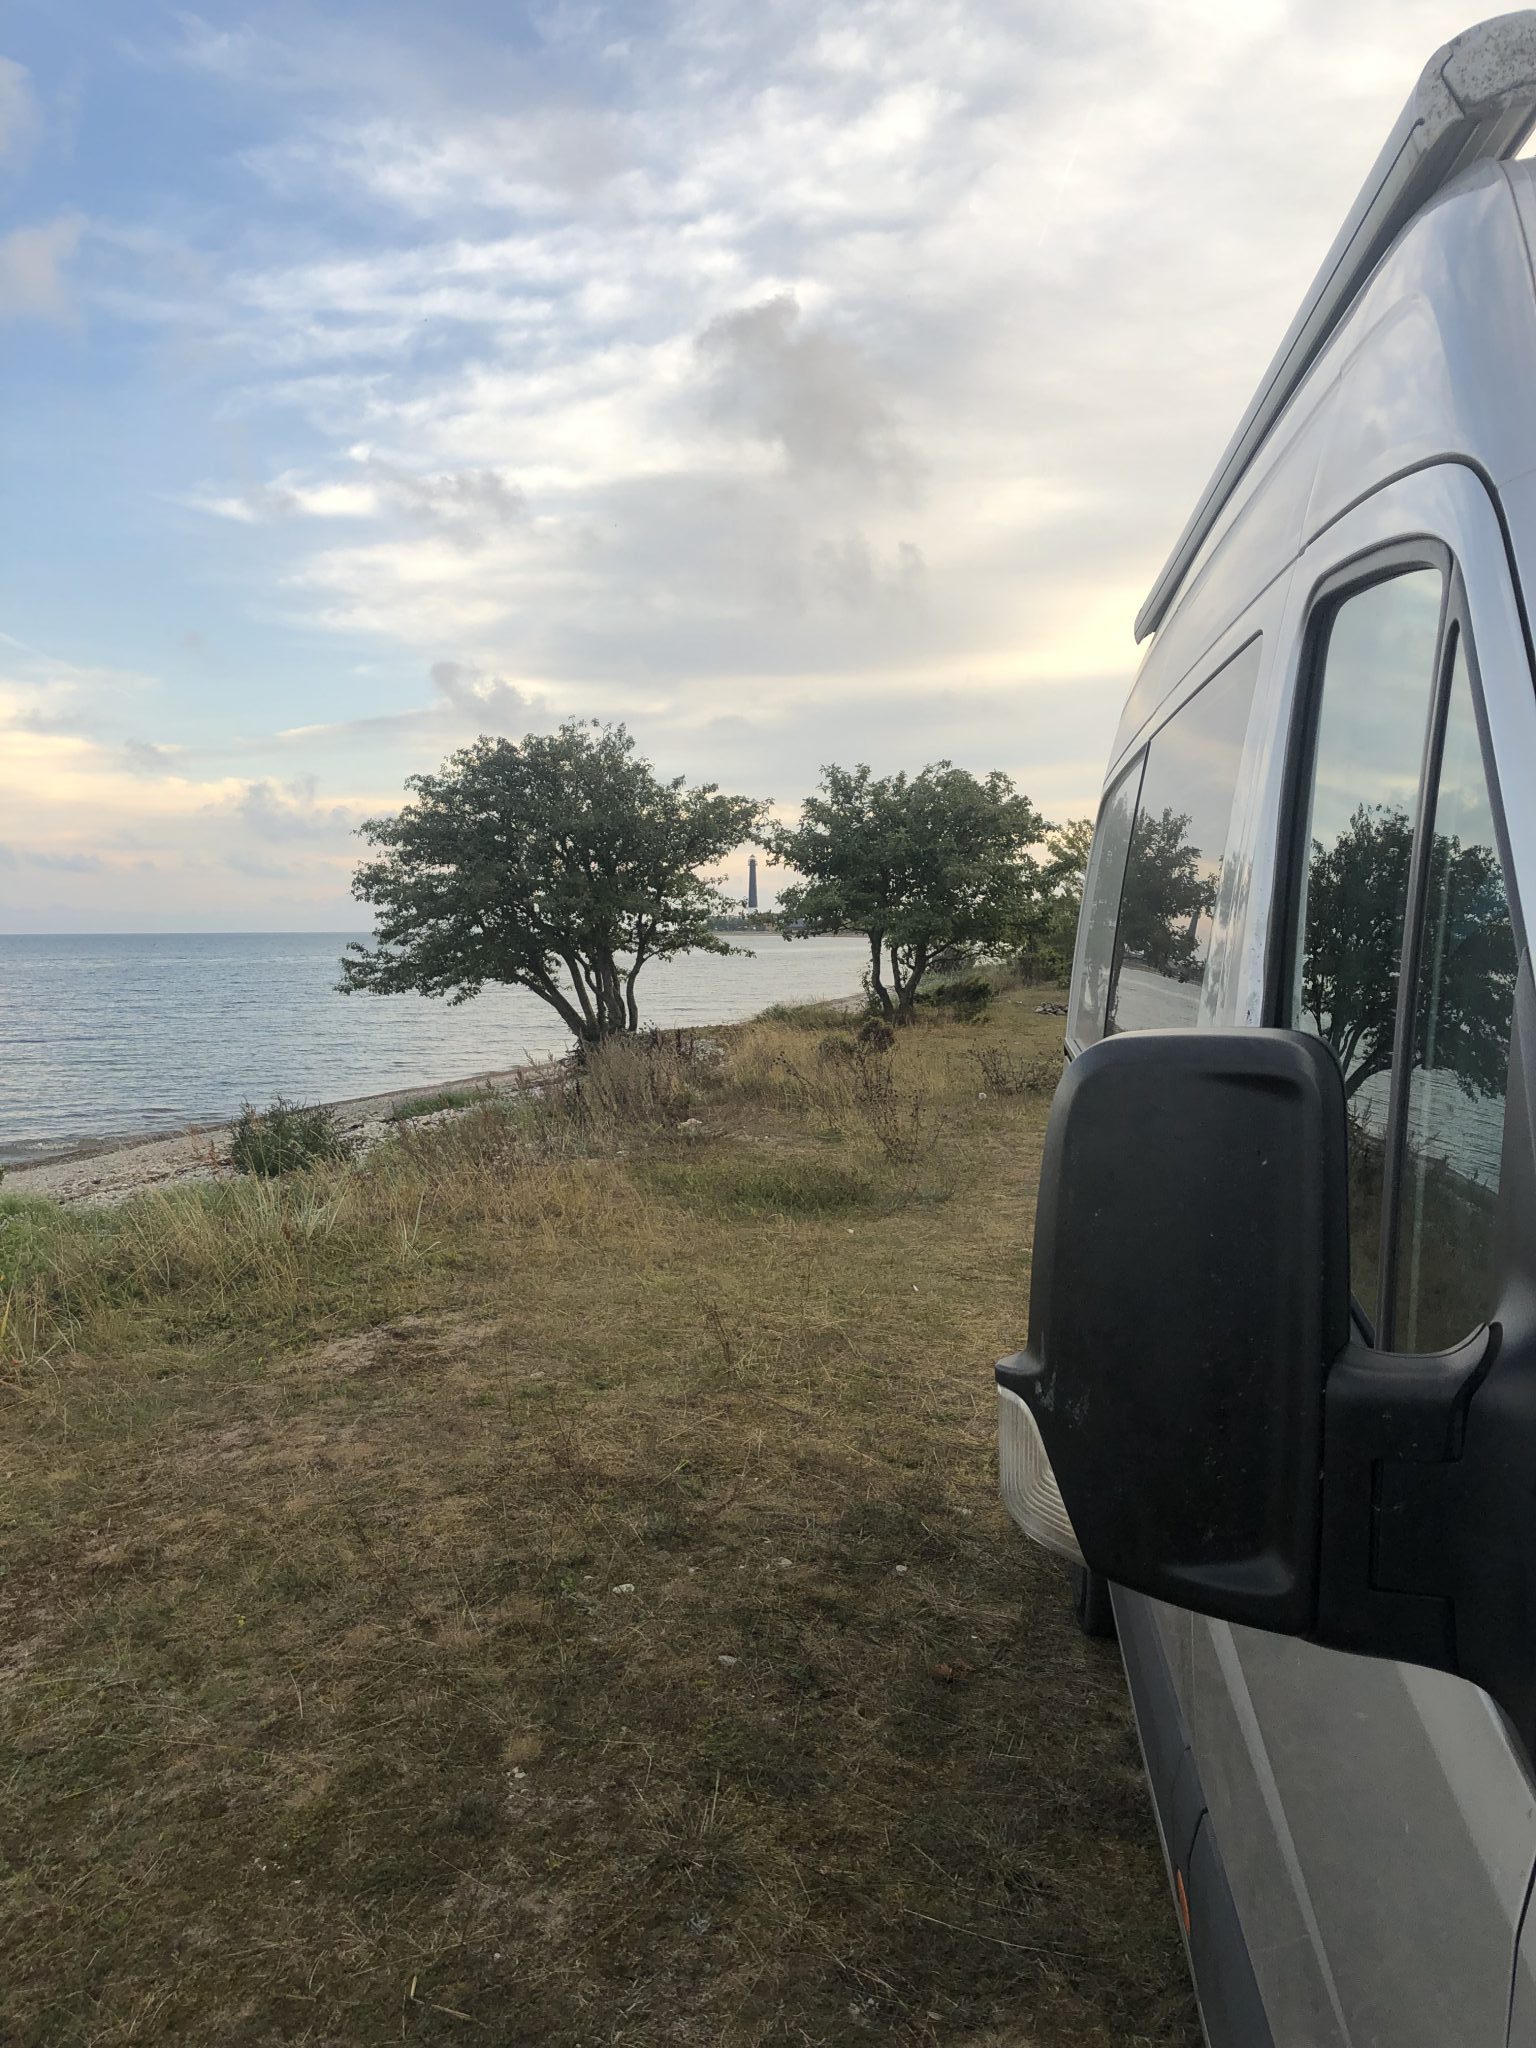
x: 1278, y: 1405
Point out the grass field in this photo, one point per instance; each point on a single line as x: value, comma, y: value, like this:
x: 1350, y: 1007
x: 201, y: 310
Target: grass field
x: 544, y: 1584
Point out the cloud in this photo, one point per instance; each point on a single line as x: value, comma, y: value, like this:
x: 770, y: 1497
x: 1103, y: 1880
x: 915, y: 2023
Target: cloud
x: 19, y: 117
x: 259, y: 869
x: 466, y: 505
x: 281, y: 812
x: 473, y: 696
x: 467, y: 502
x: 808, y: 390
x: 464, y: 698
x: 145, y: 757
x: 65, y: 863
x: 32, y: 260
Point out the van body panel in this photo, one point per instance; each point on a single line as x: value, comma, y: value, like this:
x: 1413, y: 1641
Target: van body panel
x: 1422, y: 368
x: 1383, y: 1812
x: 1376, y: 1823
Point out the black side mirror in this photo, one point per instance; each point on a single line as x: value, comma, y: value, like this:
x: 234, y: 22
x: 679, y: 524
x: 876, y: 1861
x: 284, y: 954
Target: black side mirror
x: 1190, y: 1285
x: 1192, y: 1416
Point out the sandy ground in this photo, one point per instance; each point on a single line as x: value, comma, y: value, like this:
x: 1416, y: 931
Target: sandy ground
x: 109, y: 1172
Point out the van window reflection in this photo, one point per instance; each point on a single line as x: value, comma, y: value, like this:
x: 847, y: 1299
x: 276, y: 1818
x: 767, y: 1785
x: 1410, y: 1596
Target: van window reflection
x: 1378, y: 677
x: 1463, y: 1020
x: 1101, y: 906
x: 1173, y: 868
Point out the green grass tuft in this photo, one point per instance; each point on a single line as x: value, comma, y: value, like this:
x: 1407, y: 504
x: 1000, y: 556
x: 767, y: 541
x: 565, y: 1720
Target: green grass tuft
x: 285, y: 1137
x: 430, y: 1105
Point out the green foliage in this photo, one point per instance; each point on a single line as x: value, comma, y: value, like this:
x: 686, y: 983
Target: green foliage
x: 967, y: 997
x: 284, y: 1138
x: 1046, y: 936
x: 560, y: 864
x: 920, y: 865
x: 1356, y: 890
x: 764, y: 1187
x: 1166, y: 893
x: 429, y: 1105
x: 810, y: 1016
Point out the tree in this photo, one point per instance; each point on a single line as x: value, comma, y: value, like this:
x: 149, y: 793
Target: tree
x: 1356, y: 890
x: 1164, y: 896
x: 560, y: 864
x: 918, y: 864
x: 1047, y: 935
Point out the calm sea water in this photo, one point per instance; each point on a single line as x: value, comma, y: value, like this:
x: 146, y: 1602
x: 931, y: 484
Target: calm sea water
x: 123, y: 1035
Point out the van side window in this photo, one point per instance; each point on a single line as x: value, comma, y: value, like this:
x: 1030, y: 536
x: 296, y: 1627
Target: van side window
x: 1101, y: 906
x: 1163, y: 934
x: 1378, y: 675
x: 1463, y: 1019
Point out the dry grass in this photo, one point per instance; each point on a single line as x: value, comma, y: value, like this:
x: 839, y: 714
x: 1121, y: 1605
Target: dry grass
x: 544, y: 1585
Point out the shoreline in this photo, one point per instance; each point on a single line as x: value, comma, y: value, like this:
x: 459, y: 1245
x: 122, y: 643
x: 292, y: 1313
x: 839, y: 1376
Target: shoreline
x: 95, y: 1172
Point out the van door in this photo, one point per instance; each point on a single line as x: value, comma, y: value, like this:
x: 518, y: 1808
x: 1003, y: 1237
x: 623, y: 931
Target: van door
x: 1377, y: 1821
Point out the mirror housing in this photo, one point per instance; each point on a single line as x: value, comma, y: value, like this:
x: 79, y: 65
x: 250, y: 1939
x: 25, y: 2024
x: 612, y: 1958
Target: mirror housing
x: 1193, y: 1418
x: 1190, y: 1283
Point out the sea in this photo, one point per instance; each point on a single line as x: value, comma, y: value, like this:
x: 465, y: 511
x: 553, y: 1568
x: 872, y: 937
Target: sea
x: 135, y: 1035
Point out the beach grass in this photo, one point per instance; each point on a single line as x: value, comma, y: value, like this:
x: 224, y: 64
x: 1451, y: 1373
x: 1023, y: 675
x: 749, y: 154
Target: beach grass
x: 432, y: 1105
x: 543, y: 1583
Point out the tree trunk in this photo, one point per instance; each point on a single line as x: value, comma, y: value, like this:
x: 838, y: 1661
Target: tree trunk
x: 877, y: 987
x: 907, y: 986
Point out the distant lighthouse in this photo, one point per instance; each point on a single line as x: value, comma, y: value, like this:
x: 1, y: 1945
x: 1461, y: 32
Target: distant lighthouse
x: 751, y: 881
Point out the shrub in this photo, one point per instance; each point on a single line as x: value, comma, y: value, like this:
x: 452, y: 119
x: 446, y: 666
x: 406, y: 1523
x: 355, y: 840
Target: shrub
x: 1016, y: 1073
x: 429, y: 1105
x: 284, y: 1137
x: 815, y: 1016
x: 965, y: 999
x: 837, y: 1049
x: 652, y: 1081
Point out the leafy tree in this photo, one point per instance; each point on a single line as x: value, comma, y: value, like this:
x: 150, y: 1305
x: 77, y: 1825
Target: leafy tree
x: 1356, y: 892
x: 559, y: 864
x: 1165, y: 896
x: 920, y: 865
x: 1047, y: 935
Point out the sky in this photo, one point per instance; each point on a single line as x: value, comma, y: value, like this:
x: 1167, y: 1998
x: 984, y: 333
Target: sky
x: 798, y: 381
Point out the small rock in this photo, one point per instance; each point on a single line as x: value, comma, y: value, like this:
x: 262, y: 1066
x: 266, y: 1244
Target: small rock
x: 625, y: 1588
x: 729, y: 1660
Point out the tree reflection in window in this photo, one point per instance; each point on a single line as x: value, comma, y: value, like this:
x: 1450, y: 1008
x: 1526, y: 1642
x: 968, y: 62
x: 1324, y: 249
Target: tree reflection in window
x: 1174, y: 863
x: 1356, y: 890
x: 1453, y: 1125
x: 1459, y: 1058
x: 1168, y: 890
x: 1378, y: 679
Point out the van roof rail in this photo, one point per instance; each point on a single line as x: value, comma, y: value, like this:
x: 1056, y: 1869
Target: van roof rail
x: 1475, y: 101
